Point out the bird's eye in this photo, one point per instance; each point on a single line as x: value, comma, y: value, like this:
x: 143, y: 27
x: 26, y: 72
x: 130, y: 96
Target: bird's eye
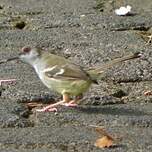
x: 26, y: 49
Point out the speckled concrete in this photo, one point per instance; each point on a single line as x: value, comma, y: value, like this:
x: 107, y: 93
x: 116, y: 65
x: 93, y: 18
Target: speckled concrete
x: 77, y: 30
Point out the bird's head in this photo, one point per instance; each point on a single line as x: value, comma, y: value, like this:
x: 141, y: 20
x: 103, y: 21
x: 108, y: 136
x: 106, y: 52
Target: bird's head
x: 29, y: 54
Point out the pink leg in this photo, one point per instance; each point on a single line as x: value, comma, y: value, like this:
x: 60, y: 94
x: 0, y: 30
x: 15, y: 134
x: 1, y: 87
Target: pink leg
x: 65, y: 102
x: 50, y: 108
x: 70, y: 104
x: 73, y: 103
x: 7, y: 81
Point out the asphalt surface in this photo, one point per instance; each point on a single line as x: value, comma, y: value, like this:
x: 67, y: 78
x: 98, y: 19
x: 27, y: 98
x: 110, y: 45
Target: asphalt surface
x: 88, y: 33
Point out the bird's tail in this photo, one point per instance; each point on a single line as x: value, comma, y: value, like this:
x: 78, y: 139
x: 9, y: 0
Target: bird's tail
x: 96, y: 71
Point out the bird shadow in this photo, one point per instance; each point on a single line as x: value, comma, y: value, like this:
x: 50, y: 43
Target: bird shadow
x: 112, y: 110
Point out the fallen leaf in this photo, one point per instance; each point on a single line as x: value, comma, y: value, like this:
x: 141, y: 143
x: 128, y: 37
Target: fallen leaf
x: 146, y: 36
x: 105, y: 140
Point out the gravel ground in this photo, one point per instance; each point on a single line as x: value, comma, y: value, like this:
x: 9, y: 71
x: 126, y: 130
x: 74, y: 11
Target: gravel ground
x: 88, y: 33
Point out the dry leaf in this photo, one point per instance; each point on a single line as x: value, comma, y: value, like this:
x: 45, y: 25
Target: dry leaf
x: 105, y: 140
x: 146, y: 36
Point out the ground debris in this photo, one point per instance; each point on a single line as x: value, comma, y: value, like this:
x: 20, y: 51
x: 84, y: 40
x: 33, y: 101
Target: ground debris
x: 146, y: 36
x: 105, y: 140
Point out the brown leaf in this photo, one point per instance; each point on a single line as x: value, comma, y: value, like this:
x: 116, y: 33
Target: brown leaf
x: 105, y: 140
x: 147, y: 36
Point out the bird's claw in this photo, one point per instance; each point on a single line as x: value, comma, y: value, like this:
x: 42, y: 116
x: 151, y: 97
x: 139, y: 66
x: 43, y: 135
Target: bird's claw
x: 52, y: 107
x: 45, y: 109
x: 70, y: 104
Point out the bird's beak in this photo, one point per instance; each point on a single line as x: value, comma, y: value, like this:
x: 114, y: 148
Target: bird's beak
x: 9, y: 59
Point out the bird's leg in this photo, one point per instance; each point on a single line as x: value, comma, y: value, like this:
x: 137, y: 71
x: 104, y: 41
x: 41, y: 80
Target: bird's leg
x: 52, y: 107
x: 74, y: 102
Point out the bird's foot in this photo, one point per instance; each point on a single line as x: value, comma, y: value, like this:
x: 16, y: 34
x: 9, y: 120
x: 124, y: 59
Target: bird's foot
x: 51, y: 107
x: 7, y: 81
x: 44, y: 109
x: 70, y: 104
x: 47, y: 109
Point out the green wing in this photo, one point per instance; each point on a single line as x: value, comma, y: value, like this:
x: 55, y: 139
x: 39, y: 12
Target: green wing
x: 67, y: 72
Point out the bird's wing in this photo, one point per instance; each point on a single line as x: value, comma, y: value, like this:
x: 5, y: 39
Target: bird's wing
x: 66, y: 72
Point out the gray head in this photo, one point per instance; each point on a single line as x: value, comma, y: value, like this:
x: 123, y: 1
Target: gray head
x: 29, y: 54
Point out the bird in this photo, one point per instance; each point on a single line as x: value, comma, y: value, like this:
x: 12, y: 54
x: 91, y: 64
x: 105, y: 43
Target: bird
x: 62, y: 75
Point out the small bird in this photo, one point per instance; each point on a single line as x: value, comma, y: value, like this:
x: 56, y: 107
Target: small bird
x: 63, y: 76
